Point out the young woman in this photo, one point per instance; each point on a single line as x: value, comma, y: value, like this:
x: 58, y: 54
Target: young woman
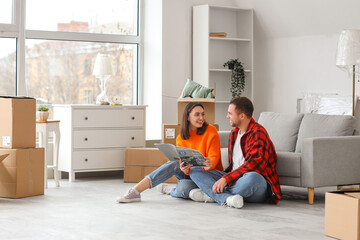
x: 195, y: 133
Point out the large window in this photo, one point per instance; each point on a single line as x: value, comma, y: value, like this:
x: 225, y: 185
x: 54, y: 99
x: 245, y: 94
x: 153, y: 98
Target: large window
x: 6, y: 11
x: 7, y: 66
x: 55, y: 57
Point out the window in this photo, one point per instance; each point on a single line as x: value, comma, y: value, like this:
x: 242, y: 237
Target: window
x: 6, y: 11
x: 105, y: 16
x: 7, y: 66
x: 59, y: 65
x: 56, y: 55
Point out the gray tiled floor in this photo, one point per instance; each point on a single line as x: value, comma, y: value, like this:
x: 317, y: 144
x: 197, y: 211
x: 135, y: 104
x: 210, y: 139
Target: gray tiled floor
x: 86, y: 209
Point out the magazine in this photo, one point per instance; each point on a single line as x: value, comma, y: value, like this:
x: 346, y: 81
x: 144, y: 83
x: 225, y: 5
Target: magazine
x: 187, y: 155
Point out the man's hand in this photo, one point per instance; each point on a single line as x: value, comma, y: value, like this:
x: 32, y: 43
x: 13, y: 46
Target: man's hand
x: 184, y: 169
x: 218, y: 187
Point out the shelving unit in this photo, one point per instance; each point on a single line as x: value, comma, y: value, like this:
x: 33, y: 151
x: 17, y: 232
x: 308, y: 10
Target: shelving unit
x: 210, y: 53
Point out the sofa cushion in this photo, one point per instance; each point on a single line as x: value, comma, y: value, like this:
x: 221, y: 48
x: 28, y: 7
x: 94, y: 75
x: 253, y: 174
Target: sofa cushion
x: 320, y: 125
x: 288, y: 164
x: 282, y: 129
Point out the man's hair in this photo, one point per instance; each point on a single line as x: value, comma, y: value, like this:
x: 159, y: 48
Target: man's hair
x: 243, y: 105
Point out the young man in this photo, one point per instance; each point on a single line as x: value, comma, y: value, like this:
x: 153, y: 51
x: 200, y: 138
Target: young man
x: 251, y: 175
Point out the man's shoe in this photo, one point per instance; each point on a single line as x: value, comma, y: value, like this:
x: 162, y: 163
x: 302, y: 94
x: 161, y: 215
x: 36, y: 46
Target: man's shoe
x: 235, y: 201
x: 199, y: 196
x: 165, y: 188
x: 131, y: 196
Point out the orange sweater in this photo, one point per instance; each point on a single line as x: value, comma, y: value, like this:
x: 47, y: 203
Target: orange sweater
x: 208, y: 144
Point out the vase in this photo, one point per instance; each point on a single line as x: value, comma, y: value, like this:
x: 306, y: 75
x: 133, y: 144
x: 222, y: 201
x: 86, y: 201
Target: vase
x: 42, y: 116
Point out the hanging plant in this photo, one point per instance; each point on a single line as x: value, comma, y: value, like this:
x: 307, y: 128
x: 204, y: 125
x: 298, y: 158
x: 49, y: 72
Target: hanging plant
x: 237, y: 77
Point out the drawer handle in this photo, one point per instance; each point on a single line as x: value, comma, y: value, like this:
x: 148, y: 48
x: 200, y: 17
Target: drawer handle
x: 86, y: 139
x: 86, y: 118
x: 132, y: 138
x: 133, y: 118
x: 86, y: 159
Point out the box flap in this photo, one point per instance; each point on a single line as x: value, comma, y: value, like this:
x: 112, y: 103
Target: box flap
x: 17, y: 97
x: 353, y: 194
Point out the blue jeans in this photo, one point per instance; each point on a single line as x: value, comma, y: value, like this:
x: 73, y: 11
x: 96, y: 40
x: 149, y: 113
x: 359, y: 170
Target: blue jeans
x: 166, y: 171
x: 251, y: 186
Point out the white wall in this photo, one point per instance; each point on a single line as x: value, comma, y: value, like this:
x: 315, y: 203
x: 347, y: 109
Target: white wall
x: 152, y: 72
x: 177, y: 50
x: 294, y: 49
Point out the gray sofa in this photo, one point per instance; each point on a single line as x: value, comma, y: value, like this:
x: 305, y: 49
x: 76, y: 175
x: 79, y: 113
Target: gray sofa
x: 313, y: 150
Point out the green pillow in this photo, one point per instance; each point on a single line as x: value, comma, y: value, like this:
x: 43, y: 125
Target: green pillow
x: 195, y: 90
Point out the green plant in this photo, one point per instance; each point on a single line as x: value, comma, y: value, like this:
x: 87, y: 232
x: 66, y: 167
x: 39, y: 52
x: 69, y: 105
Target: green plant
x: 237, y: 77
x: 43, y: 109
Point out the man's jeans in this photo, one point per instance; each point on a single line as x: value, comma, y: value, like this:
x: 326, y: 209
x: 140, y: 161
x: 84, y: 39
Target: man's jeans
x: 251, y: 186
x: 166, y: 171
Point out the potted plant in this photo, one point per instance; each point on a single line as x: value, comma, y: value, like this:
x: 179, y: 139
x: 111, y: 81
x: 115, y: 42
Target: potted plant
x: 237, y: 77
x: 42, y: 113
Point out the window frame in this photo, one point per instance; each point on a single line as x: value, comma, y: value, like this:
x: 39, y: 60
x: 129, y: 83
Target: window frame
x: 17, y: 30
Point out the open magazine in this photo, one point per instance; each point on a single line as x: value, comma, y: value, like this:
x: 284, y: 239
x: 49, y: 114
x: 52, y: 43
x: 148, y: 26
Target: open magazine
x: 187, y: 155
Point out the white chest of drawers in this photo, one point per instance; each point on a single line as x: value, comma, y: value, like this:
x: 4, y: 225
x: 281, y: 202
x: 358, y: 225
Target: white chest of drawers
x: 94, y: 137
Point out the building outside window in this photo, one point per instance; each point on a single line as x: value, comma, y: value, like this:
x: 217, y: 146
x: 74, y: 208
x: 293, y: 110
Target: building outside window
x: 53, y: 60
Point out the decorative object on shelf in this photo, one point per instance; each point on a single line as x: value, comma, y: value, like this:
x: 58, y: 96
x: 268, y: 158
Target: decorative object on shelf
x: 237, y: 77
x: 195, y: 90
x: 116, y: 101
x: 348, y: 55
x: 218, y: 34
x: 102, y: 70
x: 42, y: 114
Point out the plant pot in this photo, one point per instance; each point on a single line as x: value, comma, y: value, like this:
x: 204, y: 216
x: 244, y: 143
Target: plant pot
x: 42, y: 116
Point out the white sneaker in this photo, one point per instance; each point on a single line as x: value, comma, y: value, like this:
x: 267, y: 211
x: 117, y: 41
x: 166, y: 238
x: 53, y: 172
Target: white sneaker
x: 165, y: 188
x: 199, y: 196
x: 131, y: 196
x: 235, y: 201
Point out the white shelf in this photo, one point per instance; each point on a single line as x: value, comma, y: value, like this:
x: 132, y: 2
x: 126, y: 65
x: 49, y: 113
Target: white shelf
x: 224, y: 70
x: 231, y: 39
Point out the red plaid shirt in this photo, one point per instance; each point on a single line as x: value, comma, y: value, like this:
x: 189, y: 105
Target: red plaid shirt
x: 260, y: 157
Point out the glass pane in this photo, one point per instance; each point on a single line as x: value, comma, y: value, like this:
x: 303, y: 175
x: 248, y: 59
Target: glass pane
x: 105, y: 16
x: 6, y: 10
x: 61, y: 71
x: 8, y: 66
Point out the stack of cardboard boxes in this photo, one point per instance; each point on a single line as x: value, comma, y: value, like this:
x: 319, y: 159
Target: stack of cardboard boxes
x: 139, y: 162
x: 21, y: 164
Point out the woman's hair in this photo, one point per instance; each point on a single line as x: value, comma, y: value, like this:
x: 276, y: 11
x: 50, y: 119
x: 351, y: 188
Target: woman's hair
x: 184, y: 128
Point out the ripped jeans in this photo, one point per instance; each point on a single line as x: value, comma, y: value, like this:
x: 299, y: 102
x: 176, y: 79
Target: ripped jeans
x: 166, y: 171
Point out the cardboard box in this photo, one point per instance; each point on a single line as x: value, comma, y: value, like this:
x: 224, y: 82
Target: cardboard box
x: 21, y: 172
x: 17, y: 122
x: 208, y: 103
x: 139, y: 162
x: 342, y: 214
x: 171, y: 131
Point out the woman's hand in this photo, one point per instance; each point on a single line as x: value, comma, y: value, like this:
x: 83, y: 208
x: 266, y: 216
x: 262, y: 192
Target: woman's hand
x: 184, y: 169
x: 208, y: 162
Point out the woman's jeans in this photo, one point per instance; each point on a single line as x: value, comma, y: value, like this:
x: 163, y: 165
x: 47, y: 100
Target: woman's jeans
x: 251, y: 186
x: 166, y: 171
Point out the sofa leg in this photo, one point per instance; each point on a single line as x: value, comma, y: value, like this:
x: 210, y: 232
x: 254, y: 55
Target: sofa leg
x: 311, y: 195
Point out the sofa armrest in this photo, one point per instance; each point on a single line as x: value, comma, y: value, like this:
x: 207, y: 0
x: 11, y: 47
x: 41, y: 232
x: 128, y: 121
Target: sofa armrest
x: 330, y: 161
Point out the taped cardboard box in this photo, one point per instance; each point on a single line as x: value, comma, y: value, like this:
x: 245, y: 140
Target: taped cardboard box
x: 139, y: 162
x: 342, y: 214
x: 21, y: 172
x: 17, y: 122
x: 171, y: 131
x: 208, y: 103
